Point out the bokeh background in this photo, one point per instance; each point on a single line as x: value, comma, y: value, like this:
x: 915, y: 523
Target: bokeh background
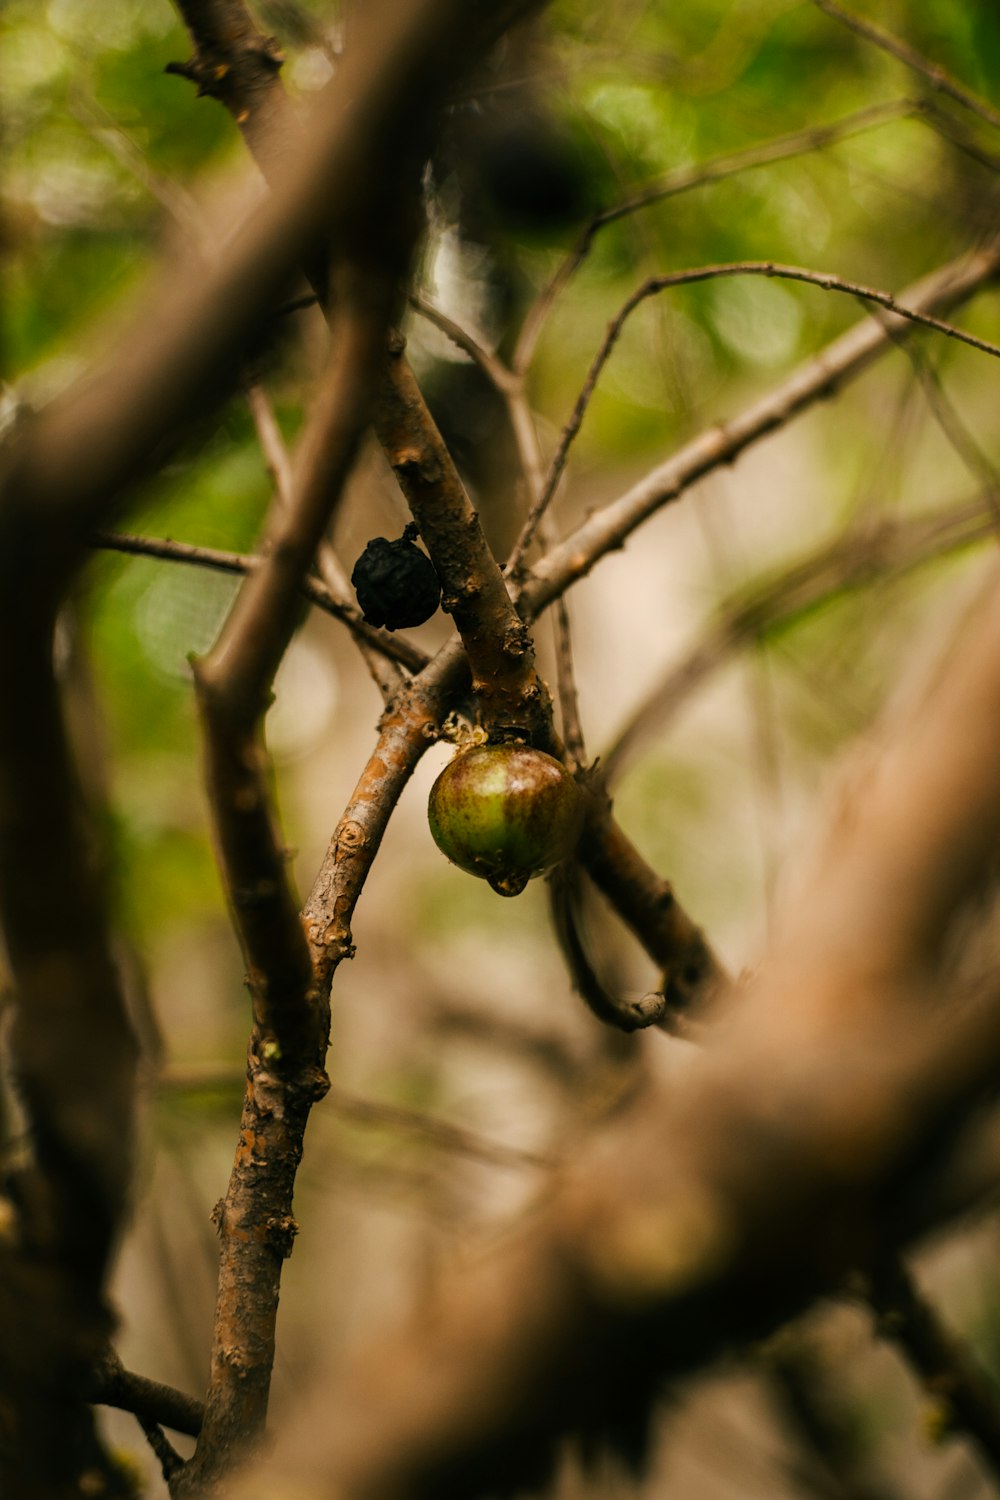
x: 462, y: 1063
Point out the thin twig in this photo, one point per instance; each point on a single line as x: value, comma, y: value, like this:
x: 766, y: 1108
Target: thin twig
x: 396, y: 647
x: 442, y: 1134
x: 954, y: 429
x: 883, y: 550
x: 564, y: 909
x: 967, y: 1401
x: 608, y: 527
x: 383, y: 666
x: 690, y: 970
x: 526, y: 440
x: 781, y: 148
x: 569, y: 703
x: 491, y: 365
x: 384, y: 672
x: 169, y: 1459
x: 529, y: 453
x: 272, y: 443
x: 935, y: 75
x: 605, y: 852
x: 657, y: 284
x: 684, y: 180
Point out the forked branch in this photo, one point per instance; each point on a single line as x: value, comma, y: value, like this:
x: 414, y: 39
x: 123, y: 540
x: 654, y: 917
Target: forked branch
x: 845, y: 358
x: 657, y: 284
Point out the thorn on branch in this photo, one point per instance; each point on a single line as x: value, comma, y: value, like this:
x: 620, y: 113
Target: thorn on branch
x: 191, y: 70
x: 215, y: 79
x: 281, y: 1233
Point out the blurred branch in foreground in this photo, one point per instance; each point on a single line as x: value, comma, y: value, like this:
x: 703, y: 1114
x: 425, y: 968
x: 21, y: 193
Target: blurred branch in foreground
x: 791, y: 1138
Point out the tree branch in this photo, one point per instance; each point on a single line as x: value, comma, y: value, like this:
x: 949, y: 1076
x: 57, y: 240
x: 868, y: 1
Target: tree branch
x: 500, y: 649
x: 657, y: 284
x: 237, y: 64
x: 148, y: 1400
x: 285, y: 1072
x: 501, y: 654
x: 684, y: 180
x: 393, y: 646
x: 510, y: 387
x: 966, y: 1399
x: 382, y: 667
x: 607, y: 528
x: 409, y: 725
x: 690, y: 971
x: 72, y: 1055
x: 624, y: 1014
x: 914, y: 60
x: 72, y: 1050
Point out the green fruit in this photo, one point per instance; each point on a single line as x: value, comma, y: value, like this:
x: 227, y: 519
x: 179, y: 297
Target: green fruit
x: 505, y: 813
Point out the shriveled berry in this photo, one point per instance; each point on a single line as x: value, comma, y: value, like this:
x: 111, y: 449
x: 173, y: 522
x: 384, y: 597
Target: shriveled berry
x: 505, y: 813
x: 395, y: 582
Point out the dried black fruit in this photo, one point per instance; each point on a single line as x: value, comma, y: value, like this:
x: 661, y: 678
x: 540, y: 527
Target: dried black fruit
x: 395, y: 582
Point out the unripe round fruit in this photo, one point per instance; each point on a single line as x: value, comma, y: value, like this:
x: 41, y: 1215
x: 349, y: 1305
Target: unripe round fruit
x: 505, y: 813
